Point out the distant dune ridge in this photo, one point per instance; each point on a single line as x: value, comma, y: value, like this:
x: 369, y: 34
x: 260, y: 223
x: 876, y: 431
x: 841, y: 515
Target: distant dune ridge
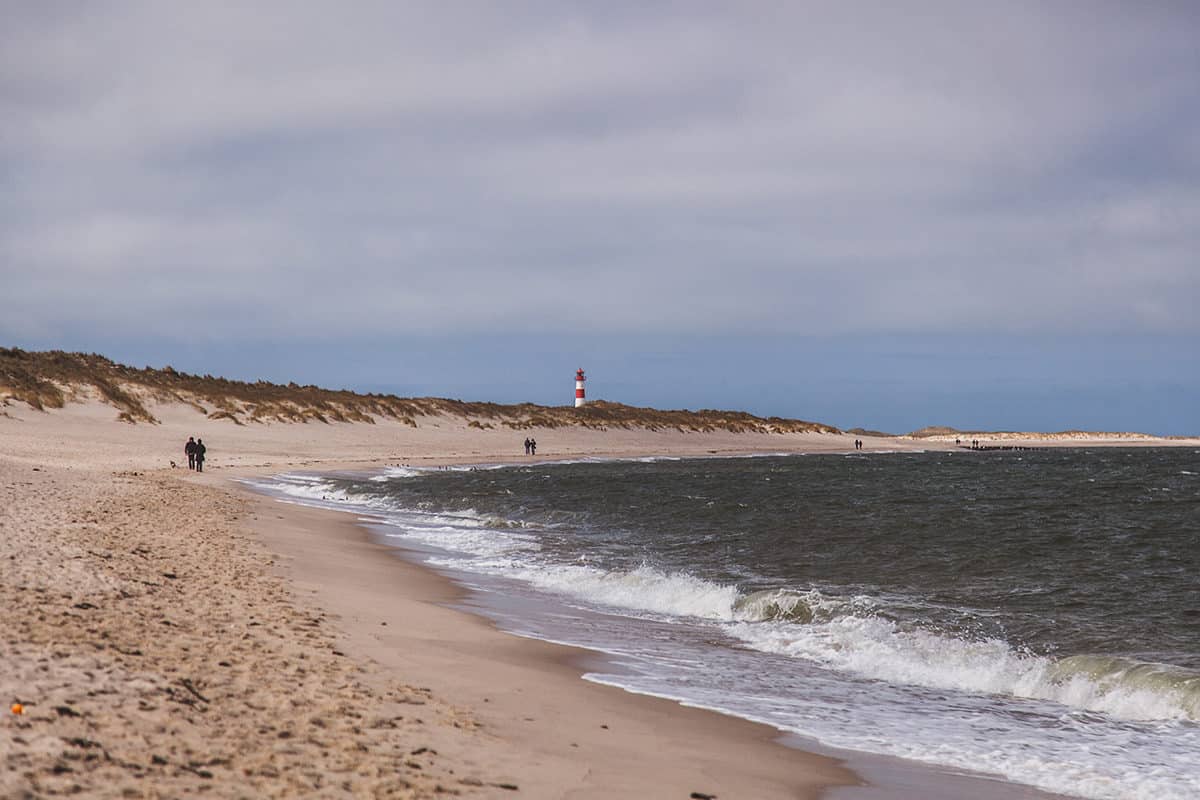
x: 48, y: 380
x: 941, y: 433
x: 52, y: 379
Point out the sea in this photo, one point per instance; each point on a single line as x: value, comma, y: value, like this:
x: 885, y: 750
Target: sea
x: 1031, y: 615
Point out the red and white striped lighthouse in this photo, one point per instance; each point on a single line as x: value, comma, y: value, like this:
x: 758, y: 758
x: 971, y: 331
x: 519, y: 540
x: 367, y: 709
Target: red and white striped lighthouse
x: 579, y: 379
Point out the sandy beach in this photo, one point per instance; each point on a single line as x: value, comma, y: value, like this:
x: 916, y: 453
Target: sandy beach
x: 169, y: 634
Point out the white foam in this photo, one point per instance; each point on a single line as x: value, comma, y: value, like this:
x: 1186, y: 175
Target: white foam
x: 643, y: 590
x: 879, y: 649
x: 310, y: 490
x: 299, y: 478
x: 392, y: 473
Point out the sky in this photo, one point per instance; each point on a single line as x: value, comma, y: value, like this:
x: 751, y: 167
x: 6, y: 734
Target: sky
x: 984, y: 215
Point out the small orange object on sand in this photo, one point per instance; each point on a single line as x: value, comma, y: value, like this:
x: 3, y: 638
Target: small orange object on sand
x: 17, y: 708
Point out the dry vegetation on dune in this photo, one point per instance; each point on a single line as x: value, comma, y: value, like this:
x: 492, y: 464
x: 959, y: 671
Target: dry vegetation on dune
x: 47, y: 380
x: 870, y: 432
x: 943, y: 433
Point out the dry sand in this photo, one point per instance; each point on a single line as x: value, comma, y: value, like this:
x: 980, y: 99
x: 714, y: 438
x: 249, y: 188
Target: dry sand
x: 157, y: 654
x: 170, y: 635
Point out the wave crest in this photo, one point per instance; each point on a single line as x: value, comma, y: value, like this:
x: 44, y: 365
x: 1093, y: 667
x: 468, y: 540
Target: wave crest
x: 1126, y: 687
x: 787, y: 605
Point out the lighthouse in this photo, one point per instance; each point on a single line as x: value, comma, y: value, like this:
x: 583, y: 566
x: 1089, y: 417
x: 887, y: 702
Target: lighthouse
x: 579, y: 379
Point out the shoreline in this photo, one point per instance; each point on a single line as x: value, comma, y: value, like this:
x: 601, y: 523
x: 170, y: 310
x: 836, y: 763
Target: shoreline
x: 133, y: 590
x: 847, y: 775
x: 599, y: 740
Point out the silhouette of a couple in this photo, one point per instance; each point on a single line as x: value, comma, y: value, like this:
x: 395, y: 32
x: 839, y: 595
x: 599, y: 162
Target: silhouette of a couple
x: 195, y: 450
x: 530, y: 447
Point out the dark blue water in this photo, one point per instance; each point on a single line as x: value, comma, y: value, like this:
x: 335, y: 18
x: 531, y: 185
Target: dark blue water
x: 1034, y: 614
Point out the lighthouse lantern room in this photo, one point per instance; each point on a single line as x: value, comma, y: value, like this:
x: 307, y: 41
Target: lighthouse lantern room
x: 579, y: 379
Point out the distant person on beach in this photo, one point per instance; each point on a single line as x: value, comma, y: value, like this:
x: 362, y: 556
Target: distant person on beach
x: 190, y: 449
x: 533, y: 447
x: 200, y: 450
x: 527, y: 445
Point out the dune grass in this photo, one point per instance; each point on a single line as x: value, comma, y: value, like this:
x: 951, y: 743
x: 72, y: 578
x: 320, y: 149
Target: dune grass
x: 49, y: 380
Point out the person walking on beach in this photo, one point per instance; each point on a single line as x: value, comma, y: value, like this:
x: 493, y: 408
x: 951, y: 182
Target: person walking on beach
x: 200, y: 450
x: 533, y: 447
x: 190, y: 449
x: 526, y: 445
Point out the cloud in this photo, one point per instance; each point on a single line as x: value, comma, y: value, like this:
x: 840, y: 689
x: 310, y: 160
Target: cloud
x: 696, y: 168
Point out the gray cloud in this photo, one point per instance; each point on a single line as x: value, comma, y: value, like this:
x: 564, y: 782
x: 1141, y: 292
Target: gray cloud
x: 689, y: 168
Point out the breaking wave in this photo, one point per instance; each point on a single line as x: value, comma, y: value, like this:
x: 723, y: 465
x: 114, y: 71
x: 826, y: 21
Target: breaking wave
x: 854, y: 634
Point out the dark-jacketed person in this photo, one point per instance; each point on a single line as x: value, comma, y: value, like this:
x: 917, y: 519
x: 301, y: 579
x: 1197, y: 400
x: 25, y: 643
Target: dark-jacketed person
x: 200, y: 451
x: 190, y: 449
